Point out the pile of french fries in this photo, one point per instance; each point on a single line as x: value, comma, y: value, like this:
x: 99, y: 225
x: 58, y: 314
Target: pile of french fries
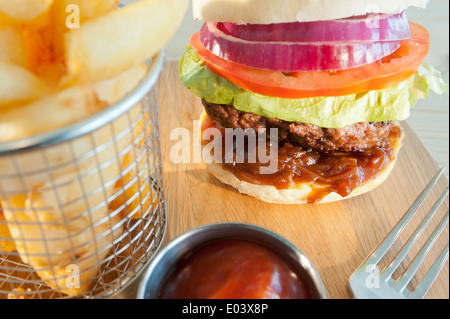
x: 62, y: 61
x: 49, y: 45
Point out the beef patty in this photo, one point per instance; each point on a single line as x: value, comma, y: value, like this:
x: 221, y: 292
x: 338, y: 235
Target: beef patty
x: 359, y: 137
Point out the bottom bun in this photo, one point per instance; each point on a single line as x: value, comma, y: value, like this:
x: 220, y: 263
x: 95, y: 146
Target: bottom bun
x: 302, y: 191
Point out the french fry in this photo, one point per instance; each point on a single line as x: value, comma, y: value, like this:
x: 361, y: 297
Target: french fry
x: 133, y: 192
x: 18, y: 293
x: 13, y: 47
x: 24, y: 10
x: 56, y: 252
x: 66, y: 14
x: 60, y: 109
x: 65, y: 221
x: 64, y: 107
x: 110, y: 44
x: 6, y: 242
x: 19, y: 85
x: 42, y: 58
x: 112, y: 90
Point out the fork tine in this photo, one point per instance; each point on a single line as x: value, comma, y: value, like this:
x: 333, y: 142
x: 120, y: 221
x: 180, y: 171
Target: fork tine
x: 383, y: 248
x: 423, y: 288
x: 406, y: 278
x: 387, y: 273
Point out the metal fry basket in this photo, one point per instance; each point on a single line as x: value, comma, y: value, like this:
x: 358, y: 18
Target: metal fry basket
x: 82, y: 209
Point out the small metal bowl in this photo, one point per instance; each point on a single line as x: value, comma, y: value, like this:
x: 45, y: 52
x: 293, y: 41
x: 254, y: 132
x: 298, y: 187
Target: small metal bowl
x: 165, y: 262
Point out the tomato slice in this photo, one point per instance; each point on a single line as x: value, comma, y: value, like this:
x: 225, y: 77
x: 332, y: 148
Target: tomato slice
x: 382, y: 74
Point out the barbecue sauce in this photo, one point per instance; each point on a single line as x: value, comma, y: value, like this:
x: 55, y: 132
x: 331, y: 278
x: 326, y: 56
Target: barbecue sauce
x: 337, y: 172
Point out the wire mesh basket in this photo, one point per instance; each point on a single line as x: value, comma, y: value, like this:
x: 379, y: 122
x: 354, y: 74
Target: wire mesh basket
x: 82, y: 208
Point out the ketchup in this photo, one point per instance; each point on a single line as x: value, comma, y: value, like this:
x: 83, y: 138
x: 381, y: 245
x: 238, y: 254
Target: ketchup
x: 234, y: 269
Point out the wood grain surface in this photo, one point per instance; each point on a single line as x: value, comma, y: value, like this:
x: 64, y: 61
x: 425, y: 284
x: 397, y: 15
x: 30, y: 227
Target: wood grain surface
x: 336, y: 237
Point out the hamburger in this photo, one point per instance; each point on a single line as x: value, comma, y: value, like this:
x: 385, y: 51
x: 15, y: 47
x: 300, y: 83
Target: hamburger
x: 332, y: 79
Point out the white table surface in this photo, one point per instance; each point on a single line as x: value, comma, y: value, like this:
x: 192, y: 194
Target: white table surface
x: 430, y: 118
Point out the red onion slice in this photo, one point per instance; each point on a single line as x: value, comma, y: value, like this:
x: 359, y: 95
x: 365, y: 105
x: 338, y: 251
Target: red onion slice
x: 373, y: 27
x: 294, y: 56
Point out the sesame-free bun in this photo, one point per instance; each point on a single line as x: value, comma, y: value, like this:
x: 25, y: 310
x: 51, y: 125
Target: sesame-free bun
x: 301, y: 193
x: 281, y: 11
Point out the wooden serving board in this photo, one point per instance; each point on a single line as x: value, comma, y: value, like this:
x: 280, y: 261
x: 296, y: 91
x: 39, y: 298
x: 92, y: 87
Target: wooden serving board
x: 336, y: 237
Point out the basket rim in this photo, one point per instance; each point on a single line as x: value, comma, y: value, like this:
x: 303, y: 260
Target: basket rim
x: 92, y: 123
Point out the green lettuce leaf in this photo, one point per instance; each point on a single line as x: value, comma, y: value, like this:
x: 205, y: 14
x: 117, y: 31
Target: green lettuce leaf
x: 389, y: 104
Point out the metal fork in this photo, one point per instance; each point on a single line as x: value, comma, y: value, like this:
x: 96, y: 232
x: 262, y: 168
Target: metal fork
x: 368, y: 282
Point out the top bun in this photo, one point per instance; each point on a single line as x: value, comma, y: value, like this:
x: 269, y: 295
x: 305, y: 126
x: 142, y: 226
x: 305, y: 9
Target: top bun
x: 283, y: 11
